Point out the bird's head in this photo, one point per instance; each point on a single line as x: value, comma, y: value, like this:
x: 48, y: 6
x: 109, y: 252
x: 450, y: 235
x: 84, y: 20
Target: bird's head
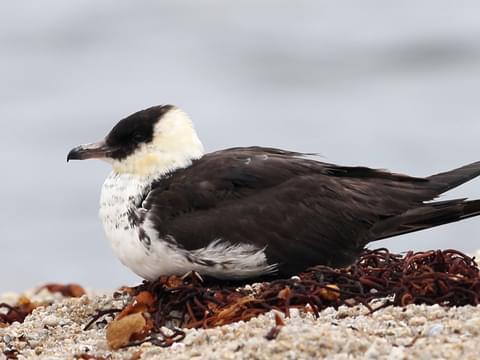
x: 150, y: 142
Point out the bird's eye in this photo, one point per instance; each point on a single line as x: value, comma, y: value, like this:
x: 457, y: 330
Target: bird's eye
x: 138, y: 137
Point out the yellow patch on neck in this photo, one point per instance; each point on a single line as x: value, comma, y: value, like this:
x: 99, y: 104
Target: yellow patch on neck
x: 140, y: 165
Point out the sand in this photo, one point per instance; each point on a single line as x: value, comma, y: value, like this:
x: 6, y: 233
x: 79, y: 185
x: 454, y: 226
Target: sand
x: 420, y: 332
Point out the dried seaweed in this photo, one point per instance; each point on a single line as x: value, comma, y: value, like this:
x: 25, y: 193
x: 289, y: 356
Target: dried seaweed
x: 11, y: 354
x: 100, y: 314
x: 448, y: 278
x: 91, y: 357
x: 275, y: 331
x: 69, y: 290
x: 24, y: 306
x: 16, y: 313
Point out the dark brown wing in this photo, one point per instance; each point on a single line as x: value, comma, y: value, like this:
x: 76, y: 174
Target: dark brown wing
x: 303, y: 211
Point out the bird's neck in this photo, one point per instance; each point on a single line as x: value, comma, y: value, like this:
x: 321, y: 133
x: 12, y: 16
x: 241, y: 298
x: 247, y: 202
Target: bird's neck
x: 155, y: 164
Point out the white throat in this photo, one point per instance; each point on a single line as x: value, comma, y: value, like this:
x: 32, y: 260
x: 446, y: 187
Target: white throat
x: 174, y: 146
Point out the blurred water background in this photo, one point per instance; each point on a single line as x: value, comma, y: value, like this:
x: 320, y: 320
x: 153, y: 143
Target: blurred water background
x: 379, y: 83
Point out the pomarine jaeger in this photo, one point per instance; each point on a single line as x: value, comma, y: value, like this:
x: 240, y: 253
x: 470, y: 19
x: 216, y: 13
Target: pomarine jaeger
x: 168, y: 209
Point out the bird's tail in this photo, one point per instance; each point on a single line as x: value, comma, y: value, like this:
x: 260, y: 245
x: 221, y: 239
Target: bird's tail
x: 435, y: 213
x: 451, y: 179
x: 427, y: 216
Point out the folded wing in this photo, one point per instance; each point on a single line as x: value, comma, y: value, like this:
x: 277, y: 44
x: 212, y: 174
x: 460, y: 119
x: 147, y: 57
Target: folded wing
x: 303, y: 212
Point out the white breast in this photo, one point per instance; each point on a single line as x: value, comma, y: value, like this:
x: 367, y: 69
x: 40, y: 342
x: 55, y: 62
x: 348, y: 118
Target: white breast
x: 121, y: 194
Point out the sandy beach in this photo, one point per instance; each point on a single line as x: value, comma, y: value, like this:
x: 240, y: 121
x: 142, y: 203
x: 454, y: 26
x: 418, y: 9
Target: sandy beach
x: 420, y: 332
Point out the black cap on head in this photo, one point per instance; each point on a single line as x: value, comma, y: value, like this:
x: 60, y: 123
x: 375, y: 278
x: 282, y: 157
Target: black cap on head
x: 134, y: 130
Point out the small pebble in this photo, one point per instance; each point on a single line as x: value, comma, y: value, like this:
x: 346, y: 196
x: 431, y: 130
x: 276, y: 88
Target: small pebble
x: 417, y: 321
x: 7, y: 339
x: 85, y: 349
x: 51, y: 320
x: 435, y: 330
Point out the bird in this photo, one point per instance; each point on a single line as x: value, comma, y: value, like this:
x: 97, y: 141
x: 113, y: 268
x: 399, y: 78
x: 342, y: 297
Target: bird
x: 169, y: 208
